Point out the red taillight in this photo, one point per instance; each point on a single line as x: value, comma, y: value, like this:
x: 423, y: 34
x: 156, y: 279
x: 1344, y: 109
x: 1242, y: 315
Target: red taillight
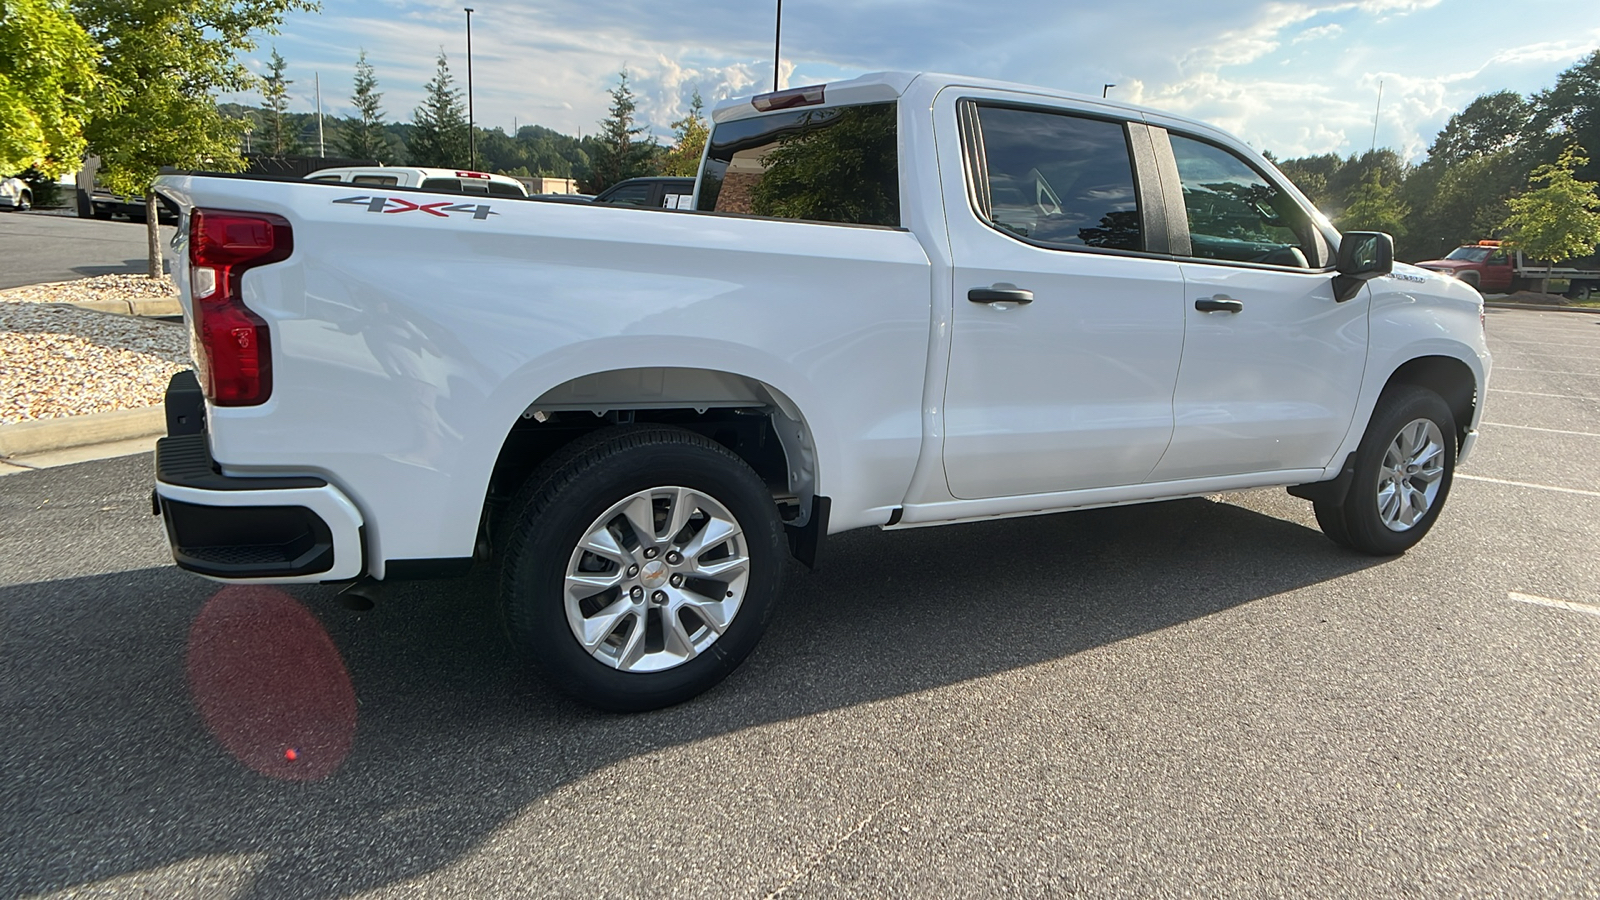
x: 232, y: 348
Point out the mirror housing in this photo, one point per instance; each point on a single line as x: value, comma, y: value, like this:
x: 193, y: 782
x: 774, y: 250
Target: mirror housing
x: 1363, y: 256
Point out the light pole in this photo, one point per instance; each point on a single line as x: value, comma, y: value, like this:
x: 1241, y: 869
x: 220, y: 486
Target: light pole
x: 1105, y: 90
x: 472, y: 139
x: 777, y: 47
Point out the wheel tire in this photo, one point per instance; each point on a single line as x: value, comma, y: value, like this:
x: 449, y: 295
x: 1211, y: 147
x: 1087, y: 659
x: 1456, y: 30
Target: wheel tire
x: 1471, y: 280
x: 1411, y: 425
x: 24, y: 202
x: 634, y: 662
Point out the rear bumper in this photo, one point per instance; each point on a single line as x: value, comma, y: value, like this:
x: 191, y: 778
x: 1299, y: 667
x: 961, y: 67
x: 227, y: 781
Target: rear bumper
x: 295, y: 528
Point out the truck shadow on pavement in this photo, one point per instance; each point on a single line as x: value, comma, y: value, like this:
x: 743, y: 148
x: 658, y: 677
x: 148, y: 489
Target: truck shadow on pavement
x: 110, y: 770
x: 138, y: 266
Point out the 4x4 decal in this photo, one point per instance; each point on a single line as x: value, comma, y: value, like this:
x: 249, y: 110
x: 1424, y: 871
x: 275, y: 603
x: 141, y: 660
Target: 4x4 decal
x: 442, y: 209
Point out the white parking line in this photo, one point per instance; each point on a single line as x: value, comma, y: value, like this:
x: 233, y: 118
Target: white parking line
x: 1570, y: 605
x: 1529, y: 484
x: 1554, y: 356
x: 1500, y: 340
x: 1546, y: 371
x: 1538, y: 394
x: 1548, y: 430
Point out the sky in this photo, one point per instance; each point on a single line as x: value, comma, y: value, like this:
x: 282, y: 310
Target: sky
x: 1294, y: 78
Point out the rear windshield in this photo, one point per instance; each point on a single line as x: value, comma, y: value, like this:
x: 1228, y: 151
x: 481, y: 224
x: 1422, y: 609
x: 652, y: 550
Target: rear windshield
x: 826, y: 165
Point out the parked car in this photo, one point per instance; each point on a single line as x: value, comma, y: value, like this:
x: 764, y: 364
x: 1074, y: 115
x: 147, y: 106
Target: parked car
x: 104, y: 205
x: 450, y: 181
x: 1000, y: 301
x: 656, y: 192
x: 15, y: 195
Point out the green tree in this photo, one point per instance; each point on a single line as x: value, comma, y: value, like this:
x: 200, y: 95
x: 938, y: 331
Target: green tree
x: 1477, y: 161
x: 279, y: 136
x: 440, y: 136
x: 1491, y: 123
x: 163, y: 61
x: 1570, y: 112
x: 618, y: 156
x: 1374, y: 206
x: 364, y: 138
x: 1560, y: 220
x: 47, y: 80
x: 689, y: 141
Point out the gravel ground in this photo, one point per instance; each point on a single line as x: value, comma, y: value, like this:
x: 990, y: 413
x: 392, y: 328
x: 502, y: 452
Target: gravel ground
x: 101, y: 287
x: 59, y: 361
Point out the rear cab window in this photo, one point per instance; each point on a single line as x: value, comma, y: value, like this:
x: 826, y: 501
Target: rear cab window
x: 834, y: 164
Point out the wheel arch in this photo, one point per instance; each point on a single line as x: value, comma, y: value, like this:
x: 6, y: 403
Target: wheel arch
x: 756, y: 420
x: 1448, y: 377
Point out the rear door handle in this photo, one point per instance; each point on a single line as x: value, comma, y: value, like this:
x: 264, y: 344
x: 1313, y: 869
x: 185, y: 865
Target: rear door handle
x: 999, y: 295
x: 1219, y: 303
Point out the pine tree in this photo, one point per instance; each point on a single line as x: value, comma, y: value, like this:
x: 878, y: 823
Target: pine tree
x: 440, y: 136
x: 280, y: 136
x: 618, y: 156
x: 690, y: 133
x: 364, y: 138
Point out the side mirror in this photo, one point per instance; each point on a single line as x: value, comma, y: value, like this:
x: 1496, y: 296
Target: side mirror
x: 1363, y: 256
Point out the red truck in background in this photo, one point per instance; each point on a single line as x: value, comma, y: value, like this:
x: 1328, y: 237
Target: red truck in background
x: 1493, y: 269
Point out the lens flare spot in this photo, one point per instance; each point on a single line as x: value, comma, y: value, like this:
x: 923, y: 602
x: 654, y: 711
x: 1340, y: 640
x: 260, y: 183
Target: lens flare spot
x: 270, y: 685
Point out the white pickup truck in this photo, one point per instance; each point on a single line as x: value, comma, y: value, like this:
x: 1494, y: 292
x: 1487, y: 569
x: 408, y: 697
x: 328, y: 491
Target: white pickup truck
x: 901, y: 300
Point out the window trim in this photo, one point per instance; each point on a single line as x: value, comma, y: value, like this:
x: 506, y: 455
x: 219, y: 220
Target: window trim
x: 1180, y: 224
x: 1151, y: 204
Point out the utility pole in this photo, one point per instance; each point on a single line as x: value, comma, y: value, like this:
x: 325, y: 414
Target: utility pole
x: 777, y: 49
x: 1375, y: 113
x: 472, y: 139
x: 321, y: 149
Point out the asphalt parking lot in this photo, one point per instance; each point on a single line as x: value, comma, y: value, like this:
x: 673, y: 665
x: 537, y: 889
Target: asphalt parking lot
x: 49, y: 246
x: 1203, y: 697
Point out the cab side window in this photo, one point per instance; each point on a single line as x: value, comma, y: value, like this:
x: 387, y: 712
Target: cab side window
x: 1059, y: 180
x: 1236, y: 215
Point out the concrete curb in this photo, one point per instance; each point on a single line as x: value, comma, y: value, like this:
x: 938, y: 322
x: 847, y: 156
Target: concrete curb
x: 1542, y: 308
x: 131, y: 307
x: 45, y: 435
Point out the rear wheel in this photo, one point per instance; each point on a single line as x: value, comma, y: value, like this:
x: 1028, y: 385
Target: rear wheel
x: 641, y: 567
x: 1403, y: 472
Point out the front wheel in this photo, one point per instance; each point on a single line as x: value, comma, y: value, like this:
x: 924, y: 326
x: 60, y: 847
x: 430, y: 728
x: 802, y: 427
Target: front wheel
x: 1403, y: 472
x: 641, y: 567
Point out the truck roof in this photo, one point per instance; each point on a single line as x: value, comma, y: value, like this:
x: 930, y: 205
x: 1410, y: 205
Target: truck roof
x: 888, y: 86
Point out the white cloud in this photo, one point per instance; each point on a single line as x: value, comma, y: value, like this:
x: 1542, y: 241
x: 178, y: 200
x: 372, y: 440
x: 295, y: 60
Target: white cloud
x: 1318, y: 33
x: 1295, y: 76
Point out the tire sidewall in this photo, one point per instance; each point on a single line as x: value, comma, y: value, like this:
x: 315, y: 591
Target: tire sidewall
x: 536, y: 607
x: 1395, y: 411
